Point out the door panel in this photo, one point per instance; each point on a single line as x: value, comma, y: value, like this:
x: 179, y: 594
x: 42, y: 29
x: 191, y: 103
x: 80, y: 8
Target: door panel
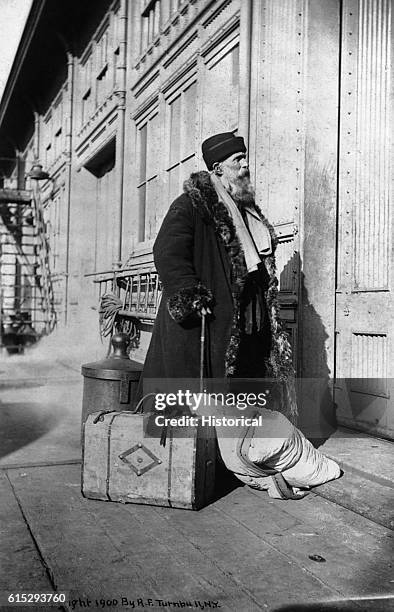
x: 364, y: 298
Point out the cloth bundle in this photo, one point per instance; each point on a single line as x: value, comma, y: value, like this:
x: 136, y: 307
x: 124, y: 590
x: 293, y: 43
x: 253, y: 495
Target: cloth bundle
x: 276, y: 457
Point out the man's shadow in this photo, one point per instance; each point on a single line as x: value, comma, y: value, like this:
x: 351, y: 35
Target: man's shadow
x: 314, y: 382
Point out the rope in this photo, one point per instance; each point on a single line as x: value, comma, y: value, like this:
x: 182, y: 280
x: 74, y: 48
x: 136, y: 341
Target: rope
x: 109, y: 307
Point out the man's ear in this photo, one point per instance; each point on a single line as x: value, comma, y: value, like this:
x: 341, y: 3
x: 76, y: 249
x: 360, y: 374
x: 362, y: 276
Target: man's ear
x: 217, y: 168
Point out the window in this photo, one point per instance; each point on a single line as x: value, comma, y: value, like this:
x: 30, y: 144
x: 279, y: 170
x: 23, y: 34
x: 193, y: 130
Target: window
x: 152, y: 19
x: 115, y: 66
x: 48, y: 155
x: 86, y: 104
x: 101, y: 199
x: 86, y: 78
x: 101, y: 87
x: 182, y: 129
x: 166, y: 8
x: 221, y: 90
x: 116, y: 40
x: 148, y: 143
x: 102, y: 67
x: 56, y: 127
x: 53, y: 132
x: 102, y: 50
x: 52, y: 222
x: 58, y: 149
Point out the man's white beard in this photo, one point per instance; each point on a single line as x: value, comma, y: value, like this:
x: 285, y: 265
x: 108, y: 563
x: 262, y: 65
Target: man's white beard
x: 242, y: 191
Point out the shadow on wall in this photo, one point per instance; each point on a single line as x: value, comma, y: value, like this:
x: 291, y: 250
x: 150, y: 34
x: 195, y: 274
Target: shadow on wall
x: 317, y: 413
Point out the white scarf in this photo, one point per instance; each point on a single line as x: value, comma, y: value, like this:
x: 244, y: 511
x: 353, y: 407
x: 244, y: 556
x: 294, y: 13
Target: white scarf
x: 255, y: 240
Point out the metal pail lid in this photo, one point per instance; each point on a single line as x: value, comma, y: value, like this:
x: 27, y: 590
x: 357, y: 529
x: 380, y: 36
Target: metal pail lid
x: 116, y: 367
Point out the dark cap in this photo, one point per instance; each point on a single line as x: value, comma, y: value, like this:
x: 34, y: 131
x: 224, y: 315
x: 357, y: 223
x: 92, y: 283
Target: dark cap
x: 219, y: 147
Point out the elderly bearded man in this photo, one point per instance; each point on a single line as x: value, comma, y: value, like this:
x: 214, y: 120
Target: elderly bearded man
x: 215, y: 254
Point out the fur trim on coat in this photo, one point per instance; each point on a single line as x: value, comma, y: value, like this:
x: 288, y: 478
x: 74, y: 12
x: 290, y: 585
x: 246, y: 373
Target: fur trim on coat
x: 279, y: 364
x: 189, y: 301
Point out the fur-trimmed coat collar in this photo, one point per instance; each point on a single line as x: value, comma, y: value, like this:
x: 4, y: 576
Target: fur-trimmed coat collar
x: 200, y: 189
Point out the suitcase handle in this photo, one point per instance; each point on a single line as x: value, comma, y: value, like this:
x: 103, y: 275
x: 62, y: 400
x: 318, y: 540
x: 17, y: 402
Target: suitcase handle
x: 100, y: 416
x: 139, y: 408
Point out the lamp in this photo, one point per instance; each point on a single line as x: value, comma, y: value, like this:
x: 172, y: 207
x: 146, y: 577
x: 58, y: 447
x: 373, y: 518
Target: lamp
x: 38, y: 174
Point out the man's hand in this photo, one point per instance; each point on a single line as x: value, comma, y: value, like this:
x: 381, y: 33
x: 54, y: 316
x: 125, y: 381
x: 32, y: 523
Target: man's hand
x: 205, y: 310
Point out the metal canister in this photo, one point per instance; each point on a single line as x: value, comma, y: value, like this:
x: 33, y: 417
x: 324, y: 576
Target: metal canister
x: 111, y: 384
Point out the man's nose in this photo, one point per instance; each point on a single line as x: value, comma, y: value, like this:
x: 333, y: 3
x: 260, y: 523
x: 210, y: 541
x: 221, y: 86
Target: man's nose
x: 244, y: 163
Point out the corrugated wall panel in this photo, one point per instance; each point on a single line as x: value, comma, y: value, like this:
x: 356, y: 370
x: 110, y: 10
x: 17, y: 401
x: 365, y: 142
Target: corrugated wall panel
x: 364, y: 301
x: 371, y: 213
x: 369, y: 363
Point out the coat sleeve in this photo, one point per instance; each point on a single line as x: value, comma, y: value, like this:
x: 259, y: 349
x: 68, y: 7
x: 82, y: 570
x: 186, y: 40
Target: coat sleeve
x: 173, y: 255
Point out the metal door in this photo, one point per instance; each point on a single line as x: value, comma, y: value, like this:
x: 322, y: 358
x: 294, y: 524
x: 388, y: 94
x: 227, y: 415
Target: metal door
x: 364, y: 295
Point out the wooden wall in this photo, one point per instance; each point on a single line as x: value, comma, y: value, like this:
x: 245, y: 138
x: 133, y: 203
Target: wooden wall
x: 364, y: 297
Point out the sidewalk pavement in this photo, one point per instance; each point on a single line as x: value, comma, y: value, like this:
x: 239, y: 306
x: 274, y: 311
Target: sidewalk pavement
x: 40, y: 403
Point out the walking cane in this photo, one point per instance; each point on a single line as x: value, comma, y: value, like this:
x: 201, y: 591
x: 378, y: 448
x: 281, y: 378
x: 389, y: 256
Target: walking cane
x: 202, y: 347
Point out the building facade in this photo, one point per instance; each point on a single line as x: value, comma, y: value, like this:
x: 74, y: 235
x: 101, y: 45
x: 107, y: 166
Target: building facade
x: 114, y: 100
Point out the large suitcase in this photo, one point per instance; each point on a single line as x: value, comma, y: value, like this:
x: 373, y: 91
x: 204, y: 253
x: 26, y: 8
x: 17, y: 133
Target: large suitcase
x: 121, y: 464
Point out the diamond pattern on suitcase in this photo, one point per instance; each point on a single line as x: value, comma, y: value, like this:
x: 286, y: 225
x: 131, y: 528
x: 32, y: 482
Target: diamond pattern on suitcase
x: 139, y: 458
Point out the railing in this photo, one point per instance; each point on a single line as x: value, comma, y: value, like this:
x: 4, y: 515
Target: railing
x: 128, y: 298
x: 141, y: 294
x: 44, y: 273
x: 27, y: 305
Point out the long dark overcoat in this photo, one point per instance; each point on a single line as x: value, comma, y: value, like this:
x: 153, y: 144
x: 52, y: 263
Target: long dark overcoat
x: 200, y: 262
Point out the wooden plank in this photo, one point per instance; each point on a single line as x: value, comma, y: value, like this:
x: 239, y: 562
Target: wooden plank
x: 358, y: 552
x: 18, y: 466
x: 98, y: 549
x: 21, y: 568
x: 182, y: 570
x: 246, y: 551
x: 361, y: 452
x: 367, y: 486
x: 372, y: 500
x: 270, y: 574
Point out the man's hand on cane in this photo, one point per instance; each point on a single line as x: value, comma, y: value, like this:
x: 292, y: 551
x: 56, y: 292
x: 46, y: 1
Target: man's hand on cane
x: 204, y: 311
